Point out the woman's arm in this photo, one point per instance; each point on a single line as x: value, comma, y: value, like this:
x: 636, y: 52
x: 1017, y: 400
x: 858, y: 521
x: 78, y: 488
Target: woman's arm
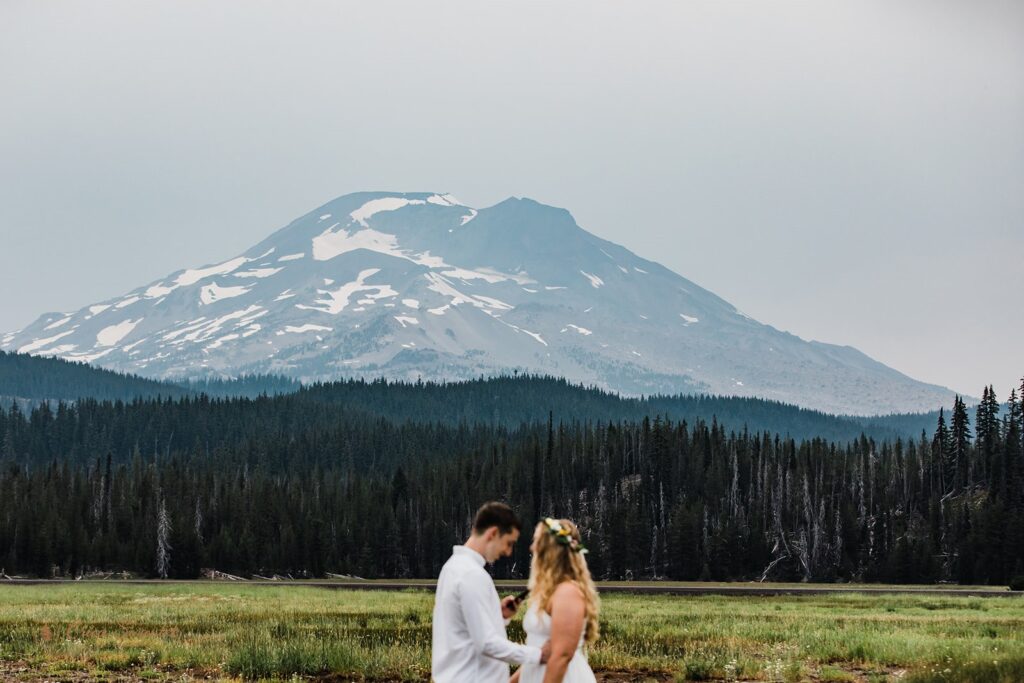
x: 568, y: 612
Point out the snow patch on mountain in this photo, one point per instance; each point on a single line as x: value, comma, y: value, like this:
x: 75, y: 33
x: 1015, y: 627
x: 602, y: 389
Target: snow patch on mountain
x: 89, y: 357
x: 109, y: 336
x: 336, y: 300
x: 491, y: 302
x: 330, y: 244
x: 43, y: 343
x: 127, y: 302
x: 444, y: 200
x: 300, y: 329
x: 202, y: 329
x: 595, y: 281
x: 259, y: 272
x: 464, y: 274
x: 131, y: 346
x: 535, y: 335
x: 213, y: 292
x: 62, y: 321
x: 374, y: 206
x: 444, y: 287
x: 220, y: 341
x: 60, y: 349
x: 190, y: 277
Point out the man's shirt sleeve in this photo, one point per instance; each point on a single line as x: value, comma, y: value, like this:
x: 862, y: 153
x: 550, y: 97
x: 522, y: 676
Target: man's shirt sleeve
x: 484, y: 627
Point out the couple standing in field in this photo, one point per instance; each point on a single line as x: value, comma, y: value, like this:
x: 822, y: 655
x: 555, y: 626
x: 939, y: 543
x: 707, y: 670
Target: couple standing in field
x: 469, y: 640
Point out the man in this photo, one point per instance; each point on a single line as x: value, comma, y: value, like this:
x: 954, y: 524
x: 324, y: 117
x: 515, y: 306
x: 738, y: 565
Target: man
x: 469, y: 641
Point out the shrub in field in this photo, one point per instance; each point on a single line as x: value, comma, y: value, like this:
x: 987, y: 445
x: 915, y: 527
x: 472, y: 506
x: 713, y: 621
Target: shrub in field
x: 834, y: 675
x: 698, y: 670
x: 1017, y: 583
x: 17, y: 640
x: 251, y: 658
x: 265, y: 654
x: 122, y: 661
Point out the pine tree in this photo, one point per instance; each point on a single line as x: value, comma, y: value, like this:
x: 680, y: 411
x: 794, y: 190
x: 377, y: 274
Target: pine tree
x: 942, y: 454
x: 988, y: 441
x: 960, y: 439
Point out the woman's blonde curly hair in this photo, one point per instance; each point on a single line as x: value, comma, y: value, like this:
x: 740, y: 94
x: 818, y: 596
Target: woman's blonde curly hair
x: 555, y: 562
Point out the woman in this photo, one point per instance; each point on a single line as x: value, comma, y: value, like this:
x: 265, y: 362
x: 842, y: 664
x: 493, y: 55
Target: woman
x: 563, y: 605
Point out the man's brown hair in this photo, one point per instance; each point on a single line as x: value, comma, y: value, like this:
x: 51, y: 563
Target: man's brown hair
x: 496, y: 514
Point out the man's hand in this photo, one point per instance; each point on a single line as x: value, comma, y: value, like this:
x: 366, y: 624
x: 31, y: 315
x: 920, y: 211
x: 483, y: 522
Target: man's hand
x: 545, y: 652
x: 509, y: 607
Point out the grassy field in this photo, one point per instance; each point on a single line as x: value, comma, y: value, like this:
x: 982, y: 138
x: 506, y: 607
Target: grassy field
x: 840, y: 587
x: 229, y: 631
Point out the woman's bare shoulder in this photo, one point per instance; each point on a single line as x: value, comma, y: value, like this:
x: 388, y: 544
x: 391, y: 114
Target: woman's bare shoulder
x: 568, y: 591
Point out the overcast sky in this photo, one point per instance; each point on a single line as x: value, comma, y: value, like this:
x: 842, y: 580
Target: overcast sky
x: 849, y: 172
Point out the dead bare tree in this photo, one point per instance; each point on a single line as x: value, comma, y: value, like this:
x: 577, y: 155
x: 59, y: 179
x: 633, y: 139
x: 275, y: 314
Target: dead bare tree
x: 163, y: 546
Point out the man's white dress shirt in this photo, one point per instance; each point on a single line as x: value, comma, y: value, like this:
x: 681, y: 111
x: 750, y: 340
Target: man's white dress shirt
x: 469, y: 641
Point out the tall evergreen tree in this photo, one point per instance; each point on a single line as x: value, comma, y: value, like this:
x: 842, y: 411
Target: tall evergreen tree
x: 942, y: 454
x: 960, y: 439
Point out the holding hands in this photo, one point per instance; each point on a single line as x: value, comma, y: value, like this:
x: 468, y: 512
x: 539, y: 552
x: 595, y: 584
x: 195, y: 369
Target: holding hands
x: 509, y: 606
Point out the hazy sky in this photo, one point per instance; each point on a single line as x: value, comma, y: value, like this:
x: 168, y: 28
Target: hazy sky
x: 850, y: 172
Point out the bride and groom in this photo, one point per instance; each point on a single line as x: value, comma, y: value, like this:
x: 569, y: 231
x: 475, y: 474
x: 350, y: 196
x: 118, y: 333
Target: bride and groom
x: 469, y: 641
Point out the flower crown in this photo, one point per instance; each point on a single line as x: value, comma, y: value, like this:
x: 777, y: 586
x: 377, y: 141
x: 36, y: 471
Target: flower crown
x: 563, y: 535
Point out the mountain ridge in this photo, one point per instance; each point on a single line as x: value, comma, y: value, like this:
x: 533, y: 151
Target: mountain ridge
x: 409, y: 285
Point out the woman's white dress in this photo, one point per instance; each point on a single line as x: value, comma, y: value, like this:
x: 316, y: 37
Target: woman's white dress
x: 537, y: 625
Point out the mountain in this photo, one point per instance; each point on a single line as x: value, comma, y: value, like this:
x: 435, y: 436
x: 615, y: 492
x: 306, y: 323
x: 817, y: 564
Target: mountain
x: 409, y: 285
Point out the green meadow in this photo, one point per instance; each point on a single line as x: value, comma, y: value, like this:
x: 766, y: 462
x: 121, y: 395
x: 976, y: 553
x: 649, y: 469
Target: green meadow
x: 215, y: 631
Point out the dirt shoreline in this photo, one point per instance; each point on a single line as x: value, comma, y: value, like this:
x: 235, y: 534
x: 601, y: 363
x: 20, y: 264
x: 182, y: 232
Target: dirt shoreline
x: 640, y: 589
x: 21, y: 672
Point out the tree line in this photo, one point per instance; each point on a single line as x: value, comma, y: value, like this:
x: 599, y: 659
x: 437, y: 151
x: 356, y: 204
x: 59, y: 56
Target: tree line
x: 273, y: 485
x: 35, y: 377
x: 506, y: 400
x: 31, y: 379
